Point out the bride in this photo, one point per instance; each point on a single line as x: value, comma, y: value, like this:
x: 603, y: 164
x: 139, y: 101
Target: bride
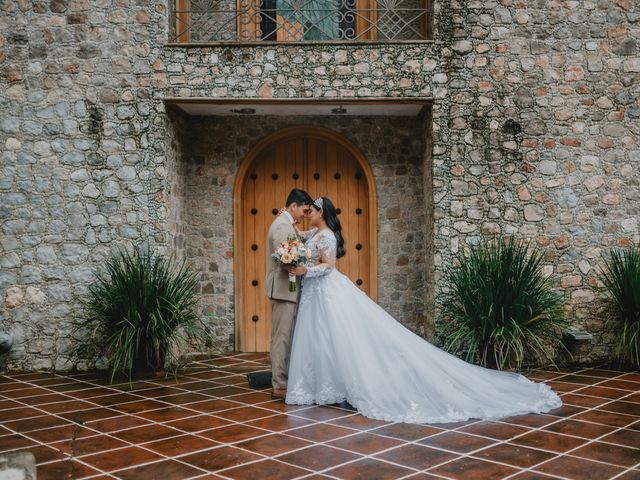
x: 347, y: 348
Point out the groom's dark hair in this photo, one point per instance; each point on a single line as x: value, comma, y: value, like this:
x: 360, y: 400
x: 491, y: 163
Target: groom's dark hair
x: 299, y: 196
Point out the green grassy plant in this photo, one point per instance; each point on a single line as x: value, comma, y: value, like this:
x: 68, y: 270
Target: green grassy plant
x: 500, y: 310
x: 139, y: 305
x: 621, y: 277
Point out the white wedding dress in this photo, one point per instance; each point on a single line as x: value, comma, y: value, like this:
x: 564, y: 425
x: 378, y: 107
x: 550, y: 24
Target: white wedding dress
x: 346, y: 347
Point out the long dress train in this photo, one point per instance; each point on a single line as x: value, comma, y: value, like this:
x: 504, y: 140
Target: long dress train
x: 346, y: 347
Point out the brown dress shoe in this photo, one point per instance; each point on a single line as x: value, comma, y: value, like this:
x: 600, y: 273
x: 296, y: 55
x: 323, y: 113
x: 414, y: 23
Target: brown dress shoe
x: 278, y: 393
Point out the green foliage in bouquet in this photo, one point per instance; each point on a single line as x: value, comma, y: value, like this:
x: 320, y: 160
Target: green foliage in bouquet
x: 500, y: 310
x: 139, y: 305
x: 621, y: 277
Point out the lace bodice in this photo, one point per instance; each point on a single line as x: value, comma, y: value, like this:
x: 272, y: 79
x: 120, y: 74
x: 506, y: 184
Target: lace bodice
x: 323, y: 247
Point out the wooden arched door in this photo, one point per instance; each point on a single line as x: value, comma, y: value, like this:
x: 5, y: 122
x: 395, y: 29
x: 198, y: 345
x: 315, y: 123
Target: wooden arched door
x: 324, y: 164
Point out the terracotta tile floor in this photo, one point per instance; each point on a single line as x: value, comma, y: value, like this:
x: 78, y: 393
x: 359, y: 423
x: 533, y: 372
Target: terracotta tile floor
x: 208, y: 424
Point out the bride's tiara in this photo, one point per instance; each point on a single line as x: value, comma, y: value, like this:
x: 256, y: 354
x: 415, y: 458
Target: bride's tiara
x: 318, y: 202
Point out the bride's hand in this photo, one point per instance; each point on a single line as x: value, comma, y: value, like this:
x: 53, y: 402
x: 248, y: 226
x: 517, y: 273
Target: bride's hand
x: 299, y: 270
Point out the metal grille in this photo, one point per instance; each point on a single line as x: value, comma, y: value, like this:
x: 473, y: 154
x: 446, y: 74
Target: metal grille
x: 299, y: 20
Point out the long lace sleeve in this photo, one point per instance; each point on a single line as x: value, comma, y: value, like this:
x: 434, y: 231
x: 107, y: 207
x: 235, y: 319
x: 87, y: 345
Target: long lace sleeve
x: 326, y: 245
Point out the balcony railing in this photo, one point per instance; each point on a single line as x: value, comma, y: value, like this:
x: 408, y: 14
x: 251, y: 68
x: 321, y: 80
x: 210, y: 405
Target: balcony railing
x: 214, y: 21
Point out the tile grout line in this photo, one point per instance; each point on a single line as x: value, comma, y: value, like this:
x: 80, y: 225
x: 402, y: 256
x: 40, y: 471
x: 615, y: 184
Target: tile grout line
x: 589, y: 441
x: 177, y: 458
x: 314, y: 443
x: 356, y: 432
x: 234, y: 444
x: 500, y: 442
x: 153, y: 422
x: 361, y: 456
x: 497, y: 442
x: 72, y: 457
x: 142, y: 445
x: 121, y: 413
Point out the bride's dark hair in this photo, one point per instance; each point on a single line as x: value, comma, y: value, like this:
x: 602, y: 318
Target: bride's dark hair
x: 331, y: 218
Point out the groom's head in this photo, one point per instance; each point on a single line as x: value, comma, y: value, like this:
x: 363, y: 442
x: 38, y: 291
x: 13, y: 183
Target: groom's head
x: 298, y: 202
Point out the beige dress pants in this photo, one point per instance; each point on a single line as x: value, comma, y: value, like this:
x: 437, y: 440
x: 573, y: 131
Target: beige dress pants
x: 282, y: 321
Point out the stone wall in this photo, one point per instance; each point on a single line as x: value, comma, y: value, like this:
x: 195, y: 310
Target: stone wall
x: 542, y: 138
x: 83, y: 159
x: 535, y: 132
x: 174, y: 193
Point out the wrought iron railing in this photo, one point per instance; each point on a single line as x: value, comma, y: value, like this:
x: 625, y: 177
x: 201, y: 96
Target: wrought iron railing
x: 196, y: 21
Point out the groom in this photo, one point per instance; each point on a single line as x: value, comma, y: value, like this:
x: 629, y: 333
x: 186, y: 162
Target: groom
x: 283, y: 302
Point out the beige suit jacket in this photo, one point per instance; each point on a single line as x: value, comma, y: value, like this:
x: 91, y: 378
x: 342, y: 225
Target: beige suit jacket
x: 277, y: 279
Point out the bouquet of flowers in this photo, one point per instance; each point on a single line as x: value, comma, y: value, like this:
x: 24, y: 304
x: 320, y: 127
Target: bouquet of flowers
x: 291, y: 253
